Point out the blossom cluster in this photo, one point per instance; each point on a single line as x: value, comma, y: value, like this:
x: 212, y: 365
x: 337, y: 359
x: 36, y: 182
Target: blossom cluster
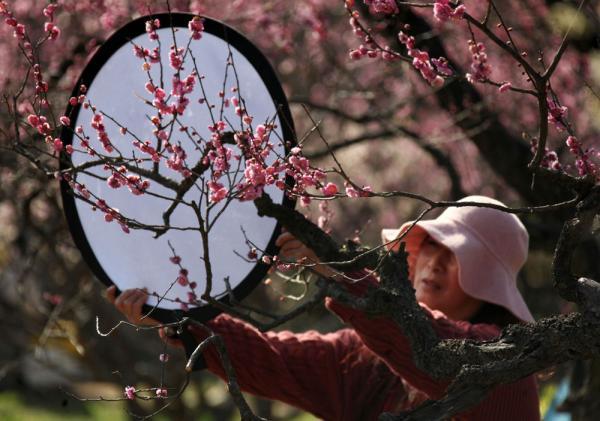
x: 353, y: 192
x: 217, y: 155
x: 74, y: 185
x: 179, y: 91
x: 49, y: 11
x: 362, y: 51
x: 41, y: 86
x: 147, y: 55
x: 326, y: 216
x: 583, y: 158
x: 129, y: 392
x: 176, y: 160
x: 255, y: 148
x: 196, y: 27
x: 583, y: 162
x: 57, y: 144
x: 151, y: 27
x: 147, y: 148
x: 120, y: 178
x: 480, y: 68
x: 180, y: 88
x: 176, y: 57
x: 218, y: 191
x: 183, y: 280
x: 305, y: 177
x: 557, y: 114
x: 98, y: 125
x: 442, y: 11
x: 549, y: 159
x: 40, y: 123
x: 384, y: 7
x: 52, y: 30
x: 50, y: 27
x: 430, y: 69
x: 368, y: 48
x: 111, y: 214
x: 11, y: 20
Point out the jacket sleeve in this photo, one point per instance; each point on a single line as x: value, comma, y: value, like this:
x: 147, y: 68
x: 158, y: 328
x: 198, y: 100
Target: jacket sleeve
x: 385, y: 339
x: 518, y: 400
x: 333, y: 376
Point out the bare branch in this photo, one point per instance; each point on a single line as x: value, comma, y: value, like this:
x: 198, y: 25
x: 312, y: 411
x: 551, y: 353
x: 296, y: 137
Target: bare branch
x: 234, y: 388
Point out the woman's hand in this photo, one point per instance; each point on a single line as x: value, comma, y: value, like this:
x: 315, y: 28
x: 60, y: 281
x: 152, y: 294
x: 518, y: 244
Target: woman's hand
x: 293, y: 250
x: 130, y: 303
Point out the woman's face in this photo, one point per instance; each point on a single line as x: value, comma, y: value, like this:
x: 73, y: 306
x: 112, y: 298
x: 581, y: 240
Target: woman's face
x: 436, y: 282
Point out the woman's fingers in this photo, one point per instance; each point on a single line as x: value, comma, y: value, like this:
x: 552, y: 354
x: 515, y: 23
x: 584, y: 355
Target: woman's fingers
x: 284, y: 238
x: 130, y: 303
x: 137, y: 304
x: 133, y: 305
x: 122, y: 298
x: 293, y: 250
x: 290, y: 248
x: 123, y: 304
x: 111, y: 294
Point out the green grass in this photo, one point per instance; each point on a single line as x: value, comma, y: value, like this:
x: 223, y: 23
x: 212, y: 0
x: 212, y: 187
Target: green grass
x: 58, y: 407
x: 14, y: 407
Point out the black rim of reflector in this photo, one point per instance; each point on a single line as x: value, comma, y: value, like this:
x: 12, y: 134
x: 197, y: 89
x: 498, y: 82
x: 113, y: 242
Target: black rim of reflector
x: 269, y: 77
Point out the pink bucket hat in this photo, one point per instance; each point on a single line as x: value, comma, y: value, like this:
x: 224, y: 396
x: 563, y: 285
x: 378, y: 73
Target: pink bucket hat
x: 490, y: 247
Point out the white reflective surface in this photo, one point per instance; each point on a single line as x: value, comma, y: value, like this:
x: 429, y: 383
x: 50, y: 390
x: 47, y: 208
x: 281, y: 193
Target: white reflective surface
x: 137, y: 260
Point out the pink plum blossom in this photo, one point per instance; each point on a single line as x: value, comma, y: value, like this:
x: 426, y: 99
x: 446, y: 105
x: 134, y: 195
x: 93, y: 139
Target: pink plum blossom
x: 182, y: 280
x: 151, y: 27
x: 505, y: 87
x: 52, y: 30
x: 196, y: 27
x: 385, y: 7
x: 330, y: 189
x: 130, y: 392
x: 217, y: 191
x: 176, y: 58
x: 49, y: 10
x: 423, y: 64
x: 442, y: 11
x: 481, y: 70
x: 57, y: 145
x: 557, y: 115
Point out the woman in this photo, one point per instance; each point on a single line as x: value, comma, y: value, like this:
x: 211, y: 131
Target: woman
x: 463, y: 266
